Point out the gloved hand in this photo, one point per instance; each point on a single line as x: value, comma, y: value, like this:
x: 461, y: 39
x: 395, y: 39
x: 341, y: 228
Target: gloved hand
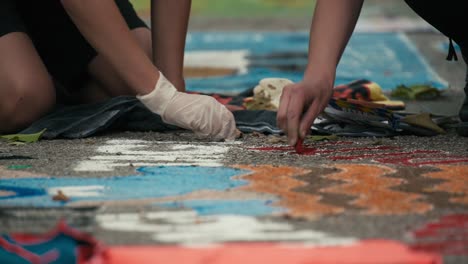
x: 200, y: 113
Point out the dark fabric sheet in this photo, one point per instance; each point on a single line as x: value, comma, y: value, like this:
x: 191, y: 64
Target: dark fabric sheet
x: 128, y: 114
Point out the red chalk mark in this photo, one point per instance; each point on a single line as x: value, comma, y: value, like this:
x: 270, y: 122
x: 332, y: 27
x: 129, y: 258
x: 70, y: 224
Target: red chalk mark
x: 359, y: 149
x: 321, y: 144
x: 439, y: 159
x: 289, y: 150
x: 299, y: 146
x: 398, y: 154
x: 414, y: 158
x: 449, y: 236
x: 313, y: 151
x: 364, y: 252
x: 334, y: 143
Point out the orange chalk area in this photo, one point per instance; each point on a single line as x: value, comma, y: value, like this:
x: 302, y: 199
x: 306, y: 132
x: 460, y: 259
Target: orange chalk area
x: 282, y: 182
x: 374, y: 191
x: 366, y: 252
x: 456, y: 182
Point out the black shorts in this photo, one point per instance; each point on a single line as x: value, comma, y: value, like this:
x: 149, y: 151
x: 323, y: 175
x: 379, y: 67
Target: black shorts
x: 449, y: 17
x: 63, y: 49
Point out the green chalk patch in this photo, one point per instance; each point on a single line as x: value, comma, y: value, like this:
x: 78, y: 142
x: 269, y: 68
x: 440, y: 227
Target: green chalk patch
x: 19, y: 167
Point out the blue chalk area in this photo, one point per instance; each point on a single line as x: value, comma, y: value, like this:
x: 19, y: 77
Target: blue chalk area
x: 214, y: 207
x: 259, y: 43
x: 389, y: 59
x: 64, y: 245
x: 152, y: 182
x: 20, y: 192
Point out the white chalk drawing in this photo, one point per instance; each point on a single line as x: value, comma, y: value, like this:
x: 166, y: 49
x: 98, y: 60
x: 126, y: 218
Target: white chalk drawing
x: 140, y: 153
x: 224, y: 59
x: 187, y: 228
x: 78, y: 191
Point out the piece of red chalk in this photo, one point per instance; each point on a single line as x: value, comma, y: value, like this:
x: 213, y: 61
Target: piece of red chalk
x: 299, y: 147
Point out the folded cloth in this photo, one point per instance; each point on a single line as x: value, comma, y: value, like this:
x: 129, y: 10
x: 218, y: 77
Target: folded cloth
x: 365, y: 90
x: 80, y: 121
x: 128, y: 114
x: 266, y: 95
x: 261, y: 121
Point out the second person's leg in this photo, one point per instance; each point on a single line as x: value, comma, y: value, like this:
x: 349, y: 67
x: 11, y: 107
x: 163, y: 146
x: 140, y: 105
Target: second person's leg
x: 450, y: 18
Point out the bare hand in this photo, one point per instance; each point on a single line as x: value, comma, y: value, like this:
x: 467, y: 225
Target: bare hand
x: 300, y: 104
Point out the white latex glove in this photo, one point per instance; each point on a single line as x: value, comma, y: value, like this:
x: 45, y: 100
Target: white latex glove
x: 200, y: 113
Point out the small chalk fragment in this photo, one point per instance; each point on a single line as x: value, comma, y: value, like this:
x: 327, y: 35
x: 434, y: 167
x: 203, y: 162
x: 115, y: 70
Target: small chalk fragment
x: 299, y: 146
x: 60, y: 196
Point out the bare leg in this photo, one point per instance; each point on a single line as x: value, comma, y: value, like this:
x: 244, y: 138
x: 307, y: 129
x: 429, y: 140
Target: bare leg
x: 26, y: 89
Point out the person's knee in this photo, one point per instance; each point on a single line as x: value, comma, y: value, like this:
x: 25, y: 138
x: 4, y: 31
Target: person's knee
x: 24, y: 100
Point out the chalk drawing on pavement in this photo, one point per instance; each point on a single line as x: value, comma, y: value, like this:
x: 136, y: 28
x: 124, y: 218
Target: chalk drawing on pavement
x: 187, y: 227
x: 283, y: 182
x: 447, y: 236
x: 170, y: 178
x: 455, y: 182
x: 389, y: 59
x: 138, y: 153
x: 372, y: 190
x: 150, y: 183
x: 261, y: 190
x: 8, y: 173
x: 16, y: 192
x: 389, y: 155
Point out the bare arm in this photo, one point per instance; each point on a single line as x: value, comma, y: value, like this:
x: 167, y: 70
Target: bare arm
x: 103, y: 26
x: 169, y: 23
x: 332, y: 26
